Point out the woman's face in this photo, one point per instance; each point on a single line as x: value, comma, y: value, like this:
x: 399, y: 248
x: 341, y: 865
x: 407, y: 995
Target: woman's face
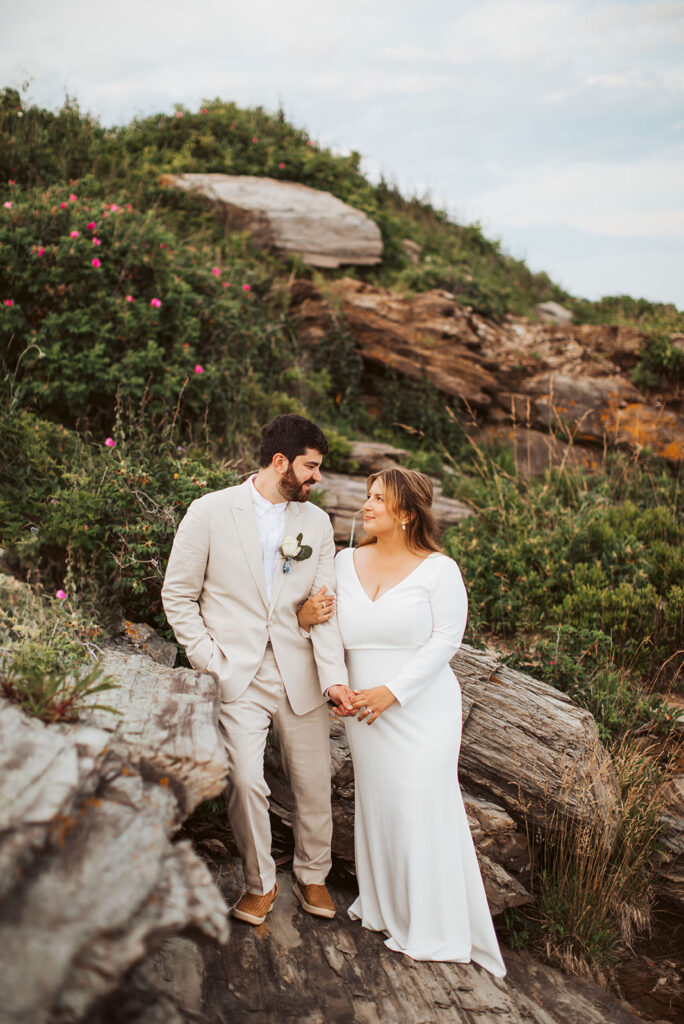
x: 377, y: 519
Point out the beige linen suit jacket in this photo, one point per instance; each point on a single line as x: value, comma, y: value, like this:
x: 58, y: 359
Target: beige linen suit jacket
x: 216, y: 601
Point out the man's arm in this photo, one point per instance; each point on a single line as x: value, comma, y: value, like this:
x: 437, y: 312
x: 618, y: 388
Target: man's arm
x: 183, y: 585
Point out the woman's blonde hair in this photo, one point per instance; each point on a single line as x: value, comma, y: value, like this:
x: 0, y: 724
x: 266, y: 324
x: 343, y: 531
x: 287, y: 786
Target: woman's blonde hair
x: 408, y: 493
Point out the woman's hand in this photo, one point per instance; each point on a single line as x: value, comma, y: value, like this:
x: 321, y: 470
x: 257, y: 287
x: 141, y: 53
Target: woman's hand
x: 319, y: 608
x: 371, y: 703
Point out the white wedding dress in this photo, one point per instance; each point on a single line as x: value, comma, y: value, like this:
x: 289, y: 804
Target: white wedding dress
x: 419, y: 881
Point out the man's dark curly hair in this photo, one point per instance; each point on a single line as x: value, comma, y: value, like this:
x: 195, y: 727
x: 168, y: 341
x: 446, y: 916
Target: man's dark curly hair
x: 290, y: 435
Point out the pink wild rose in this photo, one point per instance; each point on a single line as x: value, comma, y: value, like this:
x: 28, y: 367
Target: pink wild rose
x: 61, y: 594
x: 246, y: 287
x: 91, y: 226
x: 129, y: 298
x: 156, y: 303
x: 73, y: 198
x: 199, y: 369
x: 8, y: 302
x: 216, y: 270
x: 96, y: 241
x: 73, y: 234
x: 7, y: 205
x: 96, y: 263
x: 254, y: 138
x: 281, y: 166
x: 109, y: 442
x: 114, y: 207
x: 63, y: 206
x: 41, y: 251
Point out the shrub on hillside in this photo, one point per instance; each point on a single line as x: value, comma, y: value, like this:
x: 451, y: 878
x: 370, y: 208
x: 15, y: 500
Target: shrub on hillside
x: 570, y: 555
x: 98, y: 520
x: 102, y: 304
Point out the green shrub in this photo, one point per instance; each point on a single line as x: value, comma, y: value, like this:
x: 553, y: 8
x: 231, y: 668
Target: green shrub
x: 53, y: 694
x: 579, y: 557
x: 154, y: 324
x: 95, y: 521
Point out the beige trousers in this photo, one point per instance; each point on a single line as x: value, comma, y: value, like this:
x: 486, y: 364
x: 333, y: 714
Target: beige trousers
x: 304, y: 744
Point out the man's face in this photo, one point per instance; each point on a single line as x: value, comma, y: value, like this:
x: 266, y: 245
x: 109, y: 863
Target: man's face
x: 301, y: 474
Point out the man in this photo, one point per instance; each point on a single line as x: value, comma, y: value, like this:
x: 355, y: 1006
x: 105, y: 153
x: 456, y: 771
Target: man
x: 231, y: 596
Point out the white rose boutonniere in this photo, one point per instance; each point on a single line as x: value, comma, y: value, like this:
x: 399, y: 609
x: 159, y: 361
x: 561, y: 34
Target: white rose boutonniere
x: 292, y: 548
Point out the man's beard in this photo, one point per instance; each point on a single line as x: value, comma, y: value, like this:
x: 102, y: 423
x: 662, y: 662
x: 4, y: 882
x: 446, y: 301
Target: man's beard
x: 290, y: 487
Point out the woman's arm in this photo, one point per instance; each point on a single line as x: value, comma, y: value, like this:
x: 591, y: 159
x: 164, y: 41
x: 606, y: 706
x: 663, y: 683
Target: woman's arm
x: 449, y: 604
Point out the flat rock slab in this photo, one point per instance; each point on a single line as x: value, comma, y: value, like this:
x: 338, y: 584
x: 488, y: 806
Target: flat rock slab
x: 286, y: 217
x: 295, y: 968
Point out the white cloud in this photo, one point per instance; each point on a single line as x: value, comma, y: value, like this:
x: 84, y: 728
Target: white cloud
x: 561, y: 113
x: 644, y: 198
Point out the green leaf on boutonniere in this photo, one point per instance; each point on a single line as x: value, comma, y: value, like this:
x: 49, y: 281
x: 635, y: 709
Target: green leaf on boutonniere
x: 305, y: 552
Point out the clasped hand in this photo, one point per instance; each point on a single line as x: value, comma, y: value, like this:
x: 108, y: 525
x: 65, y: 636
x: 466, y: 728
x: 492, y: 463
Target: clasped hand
x: 367, y: 705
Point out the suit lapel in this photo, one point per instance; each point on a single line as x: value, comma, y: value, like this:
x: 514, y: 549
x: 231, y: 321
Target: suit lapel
x: 248, y: 535
x: 293, y: 525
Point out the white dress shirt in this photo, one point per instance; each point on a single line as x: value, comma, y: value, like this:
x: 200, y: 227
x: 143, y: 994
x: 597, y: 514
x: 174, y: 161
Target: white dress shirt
x: 271, y: 526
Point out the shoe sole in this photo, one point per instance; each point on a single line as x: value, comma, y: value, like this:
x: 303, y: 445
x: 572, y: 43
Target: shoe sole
x: 310, y: 908
x: 241, y: 915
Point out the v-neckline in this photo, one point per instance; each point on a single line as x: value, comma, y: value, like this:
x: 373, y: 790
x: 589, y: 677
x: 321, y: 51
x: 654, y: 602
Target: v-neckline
x: 394, y: 587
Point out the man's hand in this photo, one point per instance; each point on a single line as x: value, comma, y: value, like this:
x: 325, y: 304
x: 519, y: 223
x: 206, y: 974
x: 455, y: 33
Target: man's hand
x: 372, y: 702
x: 341, y: 696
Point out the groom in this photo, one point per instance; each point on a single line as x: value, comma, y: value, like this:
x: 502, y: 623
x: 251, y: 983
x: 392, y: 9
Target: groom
x: 242, y: 562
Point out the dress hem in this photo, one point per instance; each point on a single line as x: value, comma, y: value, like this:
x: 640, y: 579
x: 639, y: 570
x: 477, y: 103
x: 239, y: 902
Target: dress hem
x: 437, y: 957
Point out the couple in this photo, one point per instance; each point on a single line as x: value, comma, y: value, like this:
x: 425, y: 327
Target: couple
x: 250, y: 593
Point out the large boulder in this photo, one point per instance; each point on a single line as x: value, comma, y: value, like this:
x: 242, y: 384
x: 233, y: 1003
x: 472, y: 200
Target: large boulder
x: 289, y: 218
x: 90, y: 881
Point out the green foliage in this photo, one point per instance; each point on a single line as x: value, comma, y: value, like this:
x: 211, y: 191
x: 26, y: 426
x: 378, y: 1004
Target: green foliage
x: 126, y: 163
x: 590, y: 567
x: 53, y: 694
x: 40, y: 147
x: 99, y: 521
x: 661, y: 364
x: 48, y: 652
x: 154, y: 323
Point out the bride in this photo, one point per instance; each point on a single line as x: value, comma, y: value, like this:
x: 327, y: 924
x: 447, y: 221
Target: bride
x: 402, y: 608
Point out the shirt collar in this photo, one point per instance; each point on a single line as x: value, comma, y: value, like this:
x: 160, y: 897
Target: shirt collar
x: 262, y: 505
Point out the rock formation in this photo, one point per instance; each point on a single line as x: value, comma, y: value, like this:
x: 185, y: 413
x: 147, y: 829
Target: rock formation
x: 297, y: 970
x: 90, y: 881
x: 517, y: 379
x: 288, y: 218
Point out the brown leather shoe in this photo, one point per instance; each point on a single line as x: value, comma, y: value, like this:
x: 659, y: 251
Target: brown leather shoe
x: 315, y: 899
x: 253, y: 908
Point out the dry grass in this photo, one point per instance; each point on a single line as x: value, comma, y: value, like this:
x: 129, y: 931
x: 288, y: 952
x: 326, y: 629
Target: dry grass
x: 592, y: 896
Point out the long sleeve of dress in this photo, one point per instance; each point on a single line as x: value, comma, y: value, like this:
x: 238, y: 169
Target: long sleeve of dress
x: 449, y: 605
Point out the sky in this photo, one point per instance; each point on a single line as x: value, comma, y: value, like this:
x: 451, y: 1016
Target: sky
x: 557, y: 125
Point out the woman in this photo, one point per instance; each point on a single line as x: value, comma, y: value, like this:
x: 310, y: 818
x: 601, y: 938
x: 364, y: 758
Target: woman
x: 402, y: 610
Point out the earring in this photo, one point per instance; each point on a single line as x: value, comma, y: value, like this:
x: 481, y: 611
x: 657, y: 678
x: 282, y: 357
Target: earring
x: 403, y: 526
